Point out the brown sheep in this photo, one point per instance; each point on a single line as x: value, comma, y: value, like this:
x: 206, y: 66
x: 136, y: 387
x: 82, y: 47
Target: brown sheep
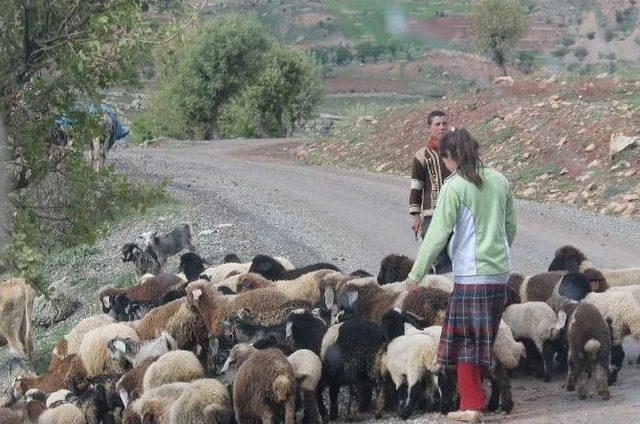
x: 129, y: 386
x: 214, y: 307
x: 176, y: 318
x: 68, y: 371
x: 372, y: 301
x: 305, y: 287
x: 264, y: 378
x: 16, y: 307
x: 151, y: 289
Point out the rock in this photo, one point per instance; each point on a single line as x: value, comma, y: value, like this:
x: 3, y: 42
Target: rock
x: 555, y: 106
x: 529, y: 192
x: 591, y: 147
x: 137, y: 104
x: 505, y: 80
x: 591, y: 186
x: 300, y: 39
x: 562, y: 141
x: 552, y: 79
x: 617, y: 207
x: 526, y: 155
x: 13, y: 365
x: 629, y: 210
x: 564, y: 171
x: 602, y: 75
x: 594, y: 164
x: 61, y: 304
x: 620, y: 142
x: 582, y: 131
x: 556, y: 97
x: 366, y: 120
x: 585, y: 177
x: 631, y: 198
x: 383, y: 166
x: 630, y: 173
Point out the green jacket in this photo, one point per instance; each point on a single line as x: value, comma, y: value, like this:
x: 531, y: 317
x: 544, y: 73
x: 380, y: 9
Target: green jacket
x: 483, y: 222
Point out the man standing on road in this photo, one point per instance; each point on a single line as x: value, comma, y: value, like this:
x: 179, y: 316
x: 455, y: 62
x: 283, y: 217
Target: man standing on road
x: 428, y: 172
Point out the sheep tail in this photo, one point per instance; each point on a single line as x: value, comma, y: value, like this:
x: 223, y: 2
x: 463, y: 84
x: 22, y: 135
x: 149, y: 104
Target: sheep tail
x: 281, y: 388
x: 560, y: 323
x: 591, y: 347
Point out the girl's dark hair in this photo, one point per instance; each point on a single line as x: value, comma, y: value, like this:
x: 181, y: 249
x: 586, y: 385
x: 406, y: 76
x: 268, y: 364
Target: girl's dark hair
x: 460, y: 146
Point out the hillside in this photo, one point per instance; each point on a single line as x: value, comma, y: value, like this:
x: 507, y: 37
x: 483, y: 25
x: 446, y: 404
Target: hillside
x: 551, y: 138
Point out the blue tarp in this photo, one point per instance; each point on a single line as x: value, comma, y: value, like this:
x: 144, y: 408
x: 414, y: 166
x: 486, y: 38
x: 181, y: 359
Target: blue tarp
x: 120, y: 130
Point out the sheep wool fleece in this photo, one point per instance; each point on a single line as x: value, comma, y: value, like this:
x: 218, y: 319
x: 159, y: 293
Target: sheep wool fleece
x: 483, y: 222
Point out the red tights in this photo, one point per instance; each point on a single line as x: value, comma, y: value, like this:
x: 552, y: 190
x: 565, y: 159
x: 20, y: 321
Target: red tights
x: 470, y: 386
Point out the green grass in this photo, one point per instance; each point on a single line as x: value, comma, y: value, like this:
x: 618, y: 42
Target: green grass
x: 529, y: 173
x: 619, y: 188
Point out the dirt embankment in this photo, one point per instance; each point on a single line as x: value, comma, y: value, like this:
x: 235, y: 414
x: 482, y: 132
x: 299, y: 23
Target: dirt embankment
x: 551, y: 138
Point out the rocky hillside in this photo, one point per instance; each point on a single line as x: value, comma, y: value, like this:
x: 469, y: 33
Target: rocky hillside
x: 558, y: 140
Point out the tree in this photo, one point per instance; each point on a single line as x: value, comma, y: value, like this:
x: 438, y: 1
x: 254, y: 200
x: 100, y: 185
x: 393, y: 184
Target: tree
x: 495, y: 27
x: 221, y: 57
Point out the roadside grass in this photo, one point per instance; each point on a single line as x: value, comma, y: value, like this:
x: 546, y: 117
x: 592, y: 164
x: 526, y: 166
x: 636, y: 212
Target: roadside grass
x: 617, y: 188
x: 529, y: 173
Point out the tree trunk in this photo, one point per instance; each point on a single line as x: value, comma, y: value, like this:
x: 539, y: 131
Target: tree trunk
x: 211, y: 131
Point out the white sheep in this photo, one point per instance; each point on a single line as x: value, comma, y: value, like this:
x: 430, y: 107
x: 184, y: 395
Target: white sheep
x: 536, y: 321
x: 133, y: 352
x: 174, y: 366
x: 203, y: 401
x: 622, y: 308
x: 66, y: 413
x: 307, y: 369
x: 218, y: 273
x: 93, y: 349
x: 153, y: 404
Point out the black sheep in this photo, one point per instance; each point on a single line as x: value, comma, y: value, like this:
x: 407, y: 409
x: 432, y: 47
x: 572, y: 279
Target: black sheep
x: 273, y: 270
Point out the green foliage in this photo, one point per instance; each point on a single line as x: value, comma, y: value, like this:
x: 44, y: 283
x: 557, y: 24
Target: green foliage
x: 580, y: 52
x: 336, y: 55
x: 525, y: 60
x: 561, y: 51
x: 609, y: 34
x: 142, y: 128
x: 568, y: 40
x: 496, y: 26
x: 232, y: 79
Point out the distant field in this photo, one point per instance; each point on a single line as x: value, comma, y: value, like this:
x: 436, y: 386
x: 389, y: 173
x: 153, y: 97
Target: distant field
x: 341, y: 105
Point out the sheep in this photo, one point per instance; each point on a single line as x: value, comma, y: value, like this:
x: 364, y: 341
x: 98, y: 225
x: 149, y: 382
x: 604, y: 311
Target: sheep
x: 100, y: 403
x: 394, y: 268
x: 67, y: 413
x: 203, y: 401
x: 22, y: 413
x: 131, y: 353
x: 538, y: 322
x: 145, y: 261
x: 192, y: 265
x: 177, y: 319
x: 169, y: 244
x: 264, y: 383
x: 54, y: 379
x: 360, y: 273
x: 174, y: 366
x: 547, y: 287
x: 219, y: 273
x: 589, y: 341
x: 231, y: 258
x: 93, y: 349
x: 570, y: 258
x: 307, y: 369
x: 305, y: 287
x: 303, y: 330
x: 213, y: 307
x: 70, y: 343
x: 150, y: 290
x: 273, y: 270
x: 152, y: 406
x: 367, y: 298
x: 129, y: 386
x: 16, y: 308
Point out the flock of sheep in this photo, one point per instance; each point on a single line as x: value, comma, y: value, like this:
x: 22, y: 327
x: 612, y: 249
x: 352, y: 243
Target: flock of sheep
x: 262, y: 340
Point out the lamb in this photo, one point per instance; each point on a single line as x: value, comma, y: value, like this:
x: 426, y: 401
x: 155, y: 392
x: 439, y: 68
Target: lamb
x: 303, y: 330
x: 169, y: 244
x: 538, y: 322
x: 153, y: 404
x: 394, y: 268
x: 305, y: 287
x: 367, y: 298
x: 16, y: 308
x: 213, y: 307
x: 192, y: 265
x: 150, y: 290
x: 174, y: 366
x: 94, y: 353
x: 203, y: 401
x: 589, y: 348
x: 219, y: 273
x: 67, y: 413
x: 131, y: 352
x: 54, y: 379
x: 129, y: 386
x: 178, y: 320
x: 571, y: 258
x: 145, y: 261
x: 264, y: 384
x: 546, y: 287
x: 307, y: 369
x: 273, y: 270
x: 507, y: 353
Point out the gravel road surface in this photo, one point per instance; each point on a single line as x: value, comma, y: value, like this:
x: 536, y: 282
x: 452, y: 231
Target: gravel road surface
x: 241, y: 201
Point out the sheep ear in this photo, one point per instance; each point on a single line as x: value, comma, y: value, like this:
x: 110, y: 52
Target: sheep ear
x: 124, y: 396
x: 562, y: 320
x: 352, y: 296
x: 196, y: 294
x: 106, y: 301
x: 288, y: 330
x: 226, y: 365
x: 329, y: 297
x: 119, y: 345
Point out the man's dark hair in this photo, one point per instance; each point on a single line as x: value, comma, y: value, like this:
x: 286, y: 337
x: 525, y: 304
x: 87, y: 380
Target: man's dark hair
x: 434, y: 114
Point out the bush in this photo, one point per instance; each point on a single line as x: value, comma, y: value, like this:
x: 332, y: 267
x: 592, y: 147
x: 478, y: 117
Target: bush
x: 580, y: 53
x: 561, y: 51
x: 142, y: 128
x: 568, y: 40
x: 591, y: 35
x: 609, y: 34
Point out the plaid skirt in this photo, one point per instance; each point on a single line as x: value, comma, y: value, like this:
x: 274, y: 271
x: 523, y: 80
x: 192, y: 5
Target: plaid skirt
x: 471, y: 324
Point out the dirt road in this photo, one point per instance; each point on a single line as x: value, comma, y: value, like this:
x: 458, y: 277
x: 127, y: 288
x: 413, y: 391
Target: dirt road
x: 354, y: 218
